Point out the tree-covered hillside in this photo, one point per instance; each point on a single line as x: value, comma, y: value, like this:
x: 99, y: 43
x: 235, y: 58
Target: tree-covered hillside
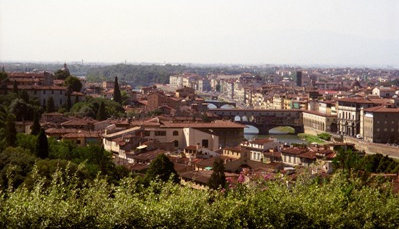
x: 144, y: 75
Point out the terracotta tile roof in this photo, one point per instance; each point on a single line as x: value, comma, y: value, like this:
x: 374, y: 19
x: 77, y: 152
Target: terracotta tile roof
x: 83, y: 134
x: 78, y: 122
x: 197, y: 176
x: 148, y: 156
x: 28, y: 74
x: 308, y: 155
x: 77, y: 93
x: 206, y: 162
x: 191, y: 147
x: 382, y: 109
x: 51, y: 131
x: 356, y: 100
x: 37, y: 87
x: 294, y: 151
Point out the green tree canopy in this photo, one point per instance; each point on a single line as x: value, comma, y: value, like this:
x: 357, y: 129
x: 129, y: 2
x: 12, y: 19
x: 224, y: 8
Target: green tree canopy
x: 42, y: 145
x: 218, y: 179
x: 35, y: 129
x: 15, y: 164
x: 101, y: 115
x: 15, y: 87
x: 69, y: 102
x: 90, y: 106
x: 73, y: 83
x: 11, y: 132
x: 161, y: 168
x: 117, y: 92
x: 50, y: 106
x: 61, y: 74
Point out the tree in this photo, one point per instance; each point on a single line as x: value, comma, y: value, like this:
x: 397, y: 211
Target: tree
x: 69, y: 103
x: 11, y: 132
x: 101, y: 115
x: 218, y: 179
x: 62, y: 73
x: 35, y: 129
x: 50, y: 107
x: 117, y: 92
x: 20, y: 109
x: 25, y: 96
x: 15, y: 164
x: 161, y: 168
x: 3, y: 74
x: 73, y: 83
x: 348, y: 160
x: 15, y: 87
x: 42, y: 145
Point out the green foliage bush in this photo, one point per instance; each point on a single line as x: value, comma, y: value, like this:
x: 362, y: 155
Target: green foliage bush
x: 324, y: 136
x: 64, y: 204
x: 90, y: 107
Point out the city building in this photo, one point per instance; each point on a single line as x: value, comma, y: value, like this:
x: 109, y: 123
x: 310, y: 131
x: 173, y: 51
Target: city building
x: 381, y: 124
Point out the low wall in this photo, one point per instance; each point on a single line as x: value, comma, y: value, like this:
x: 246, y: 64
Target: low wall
x: 373, y: 148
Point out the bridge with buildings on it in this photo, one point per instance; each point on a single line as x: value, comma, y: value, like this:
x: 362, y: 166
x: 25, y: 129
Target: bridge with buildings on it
x: 219, y: 104
x: 264, y: 120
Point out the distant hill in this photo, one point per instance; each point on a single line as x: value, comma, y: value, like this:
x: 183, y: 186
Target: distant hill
x: 135, y: 74
x: 144, y: 75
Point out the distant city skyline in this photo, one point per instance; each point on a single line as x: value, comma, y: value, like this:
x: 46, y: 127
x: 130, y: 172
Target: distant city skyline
x: 310, y: 32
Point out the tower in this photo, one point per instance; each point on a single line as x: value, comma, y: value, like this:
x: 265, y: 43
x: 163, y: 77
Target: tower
x: 299, y: 78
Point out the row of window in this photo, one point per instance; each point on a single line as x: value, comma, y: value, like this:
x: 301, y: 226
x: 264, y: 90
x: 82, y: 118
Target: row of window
x: 44, y: 92
x: 160, y: 133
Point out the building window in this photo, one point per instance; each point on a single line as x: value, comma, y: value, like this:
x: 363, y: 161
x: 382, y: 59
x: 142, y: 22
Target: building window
x: 160, y: 133
x: 176, y: 143
x: 175, y: 133
x: 146, y: 133
x: 205, y: 143
x: 52, y: 92
x: 60, y: 101
x: 44, y: 92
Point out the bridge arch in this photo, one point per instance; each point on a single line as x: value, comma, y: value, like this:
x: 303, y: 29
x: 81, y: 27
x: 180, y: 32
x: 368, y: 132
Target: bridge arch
x: 237, y: 118
x: 227, y: 106
x: 211, y: 106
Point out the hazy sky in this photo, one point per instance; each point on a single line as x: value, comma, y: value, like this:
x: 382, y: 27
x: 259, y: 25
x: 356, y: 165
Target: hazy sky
x: 343, y: 32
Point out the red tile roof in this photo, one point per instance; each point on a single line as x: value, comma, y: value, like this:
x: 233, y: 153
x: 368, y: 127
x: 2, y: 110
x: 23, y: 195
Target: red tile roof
x: 382, y: 109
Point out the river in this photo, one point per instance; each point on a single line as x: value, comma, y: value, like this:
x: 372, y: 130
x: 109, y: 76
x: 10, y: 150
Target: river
x: 251, y: 132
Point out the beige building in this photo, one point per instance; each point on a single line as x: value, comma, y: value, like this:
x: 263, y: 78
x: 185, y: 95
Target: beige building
x: 316, y: 122
x: 349, y: 115
x: 380, y: 124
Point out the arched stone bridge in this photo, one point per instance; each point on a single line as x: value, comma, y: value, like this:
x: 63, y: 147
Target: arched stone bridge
x: 264, y: 120
x: 219, y: 104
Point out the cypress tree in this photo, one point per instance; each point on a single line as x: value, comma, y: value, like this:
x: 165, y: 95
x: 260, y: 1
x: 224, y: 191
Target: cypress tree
x: 117, y: 92
x: 218, y: 179
x: 50, y: 105
x: 15, y: 87
x: 11, y: 132
x: 162, y: 168
x: 25, y: 96
x: 35, y: 129
x: 42, y: 145
x: 101, y: 112
x: 69, y: 103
